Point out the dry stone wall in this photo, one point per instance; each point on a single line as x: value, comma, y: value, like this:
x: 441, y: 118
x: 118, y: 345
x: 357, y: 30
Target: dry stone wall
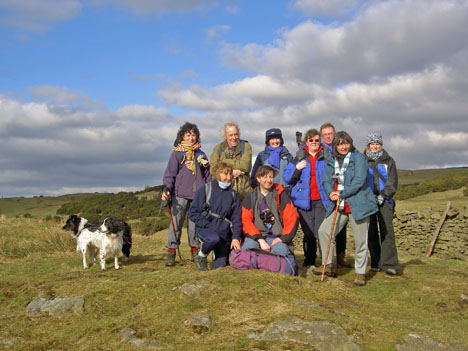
x: 414, y: 231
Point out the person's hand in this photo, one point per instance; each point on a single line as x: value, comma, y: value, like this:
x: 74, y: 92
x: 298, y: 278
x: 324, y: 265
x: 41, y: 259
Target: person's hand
x: 235, y: 244
x: 276, y: 241
x: 301, y: 165
x: 264, y: 245
x: 165, y: 196
x: 334, y: 196
x: 203, y: 161
x: 237, y: 172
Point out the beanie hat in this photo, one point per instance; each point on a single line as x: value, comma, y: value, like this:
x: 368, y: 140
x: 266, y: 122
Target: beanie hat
x: 273, y: 133
x: 374, y: 138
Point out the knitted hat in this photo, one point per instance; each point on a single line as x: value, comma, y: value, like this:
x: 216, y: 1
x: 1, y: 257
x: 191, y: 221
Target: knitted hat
x: 374, y: 138
x: 273, y: 133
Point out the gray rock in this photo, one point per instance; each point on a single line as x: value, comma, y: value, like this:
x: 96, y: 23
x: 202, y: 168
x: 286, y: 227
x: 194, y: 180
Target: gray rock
x: 12, y: 341
x: 416, y: 342
x: 322, y: 336
x: 200, y: 322
x: 129, y: 335
x: 195, y: 289
x: 57, y: 306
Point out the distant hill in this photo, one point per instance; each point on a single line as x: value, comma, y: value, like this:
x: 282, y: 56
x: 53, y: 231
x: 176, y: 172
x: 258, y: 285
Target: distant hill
x: 141, y: 207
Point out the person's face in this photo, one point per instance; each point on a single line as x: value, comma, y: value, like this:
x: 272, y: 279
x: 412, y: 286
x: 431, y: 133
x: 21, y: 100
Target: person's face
x: 232, y: 136
x: 343, y: 148
x: 225, y: 177
x: 266, y: 182
x: 313, y: 143
x: 274, y: 142
x: 190, y: 138
x: 374, y: 147
x: 327, y: 135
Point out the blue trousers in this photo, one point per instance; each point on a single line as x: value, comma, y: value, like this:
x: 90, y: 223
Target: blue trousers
x: 212, y: 242
x: 278, y: 249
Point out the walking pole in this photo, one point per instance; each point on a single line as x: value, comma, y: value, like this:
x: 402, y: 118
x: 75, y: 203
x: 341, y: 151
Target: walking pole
x: 330, y: 239
x: 173, y: 228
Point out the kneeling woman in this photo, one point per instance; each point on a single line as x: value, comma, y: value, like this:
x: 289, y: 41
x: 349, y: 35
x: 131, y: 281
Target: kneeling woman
x: 345, y: 182
x: 216, y: 212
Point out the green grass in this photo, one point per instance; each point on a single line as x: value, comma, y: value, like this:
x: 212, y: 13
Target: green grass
x: 145, y: 296
x: 418, y: 176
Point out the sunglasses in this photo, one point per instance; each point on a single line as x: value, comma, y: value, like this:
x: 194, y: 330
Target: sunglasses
x: 313, y: 140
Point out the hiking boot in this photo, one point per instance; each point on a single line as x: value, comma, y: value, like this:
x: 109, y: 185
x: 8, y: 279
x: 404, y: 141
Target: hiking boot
x: 329, y: 270
x: 340, y: 258
x: 194, y: 256
x: 170, y: 261
x: 360, y: 279
x: 391, y: 271
x: 202, y: 263
x: 308, y: 262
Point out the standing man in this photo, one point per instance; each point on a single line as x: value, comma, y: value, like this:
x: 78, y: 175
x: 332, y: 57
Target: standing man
x: 269, y: 218
x: 327, y: 132
x: 236, y: 153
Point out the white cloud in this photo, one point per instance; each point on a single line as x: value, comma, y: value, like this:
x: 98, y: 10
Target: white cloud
x: 143, y: 7
x: 63, y: 95
x: 217, y: 30
x: 37, y: 15
x: 388, y: 38
x: 328, y: 8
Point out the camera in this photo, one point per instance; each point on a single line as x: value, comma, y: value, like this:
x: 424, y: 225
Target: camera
x: 267, y: 217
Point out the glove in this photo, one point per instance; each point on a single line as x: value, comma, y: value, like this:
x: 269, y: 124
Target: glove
x: 380, y: 200
x: 203, y: 161
x: 301, y: 155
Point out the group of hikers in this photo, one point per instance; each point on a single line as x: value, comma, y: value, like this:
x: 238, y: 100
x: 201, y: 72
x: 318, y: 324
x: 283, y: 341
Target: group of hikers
x: 231, y: 205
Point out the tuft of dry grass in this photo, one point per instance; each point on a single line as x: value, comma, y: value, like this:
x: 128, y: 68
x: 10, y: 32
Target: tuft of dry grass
x: 20, y: 238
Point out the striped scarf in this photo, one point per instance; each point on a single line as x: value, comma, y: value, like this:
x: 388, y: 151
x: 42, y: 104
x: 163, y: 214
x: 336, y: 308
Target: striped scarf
x: 189, y: 154
x: 341, y: 172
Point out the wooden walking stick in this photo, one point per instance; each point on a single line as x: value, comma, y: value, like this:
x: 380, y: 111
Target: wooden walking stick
x: 330, y: 238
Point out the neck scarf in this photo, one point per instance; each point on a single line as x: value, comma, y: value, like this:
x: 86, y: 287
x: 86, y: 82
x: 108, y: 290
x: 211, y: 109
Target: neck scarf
x: 189, y: 158
x: 340, y: 172
x: 374, y: 155
x: 274, y: 158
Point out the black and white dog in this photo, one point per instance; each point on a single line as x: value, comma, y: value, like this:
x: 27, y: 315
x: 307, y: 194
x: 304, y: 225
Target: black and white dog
x: 110, y: 237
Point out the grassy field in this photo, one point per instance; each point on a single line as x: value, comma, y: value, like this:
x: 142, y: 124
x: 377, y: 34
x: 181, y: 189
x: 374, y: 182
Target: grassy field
x: 37, y: 258
x: 418, y: 176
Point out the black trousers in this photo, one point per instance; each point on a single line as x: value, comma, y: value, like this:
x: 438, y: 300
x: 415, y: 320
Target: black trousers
x: 381, y: 238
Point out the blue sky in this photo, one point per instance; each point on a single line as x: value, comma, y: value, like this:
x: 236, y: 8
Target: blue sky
x: 93, y: 85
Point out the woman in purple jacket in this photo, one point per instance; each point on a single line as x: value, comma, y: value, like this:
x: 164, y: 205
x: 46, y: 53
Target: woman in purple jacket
x: 187, y: 171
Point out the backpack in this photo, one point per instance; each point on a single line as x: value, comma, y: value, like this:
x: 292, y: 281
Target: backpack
x: 207, y: 203
x: 242, y: 142
x: 263, y: 260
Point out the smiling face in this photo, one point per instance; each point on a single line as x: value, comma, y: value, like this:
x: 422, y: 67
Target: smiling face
x: 313, y: 144
x: 225, y: 177
x: 274, y: 142
x: 232, y: 136
x: 374, y: 147
x: 266, y: 182
x: 343, y: 148
x: 190, y: 138
x: 328, y: 133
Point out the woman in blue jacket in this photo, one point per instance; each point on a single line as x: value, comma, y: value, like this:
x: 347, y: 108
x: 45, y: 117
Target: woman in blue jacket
x: 383, y: 180
x: 216, y: 212
x: 305, y: 173
x: 275, y: 155
x: 345, y: 183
